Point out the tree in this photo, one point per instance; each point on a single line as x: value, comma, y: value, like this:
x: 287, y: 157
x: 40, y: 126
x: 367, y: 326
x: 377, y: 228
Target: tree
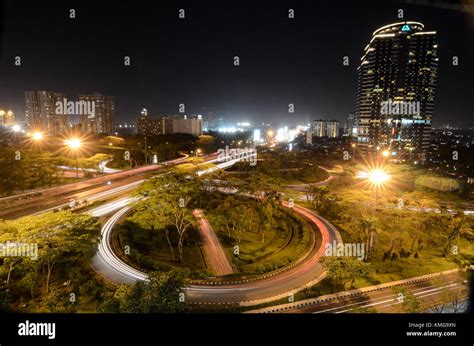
x: 168, y: 204
x: 263, y: 188
x: 420, y: 204
x: 148, y: 214
x: 57, y: 235
x: 345, y: 270
x: 59, y: 302
x: 206, y: 143
x: 12, y: 172
x: 43, y: 168
x: 10, y: 263
x: 458, y: 226
x: 317, y: 195
x: 367, y: 226
x: 160, y: 294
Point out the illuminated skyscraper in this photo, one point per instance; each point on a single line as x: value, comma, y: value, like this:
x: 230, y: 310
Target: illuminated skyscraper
x: 103, y: 119
x: 395, y: 98
x: 41, y: 111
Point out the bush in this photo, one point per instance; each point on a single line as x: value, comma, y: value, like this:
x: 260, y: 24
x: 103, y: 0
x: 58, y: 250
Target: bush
x: 438, y: 183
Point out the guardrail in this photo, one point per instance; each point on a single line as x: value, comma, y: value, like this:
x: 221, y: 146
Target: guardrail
x: 351, y: 293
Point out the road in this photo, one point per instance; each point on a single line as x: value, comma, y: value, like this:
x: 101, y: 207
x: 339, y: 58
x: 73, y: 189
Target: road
x: 214, y: 255
x: 307, y: 272
x: 304, y: 187
x: 107, y: 263
x: 427, y: 290
x: 95, y: 189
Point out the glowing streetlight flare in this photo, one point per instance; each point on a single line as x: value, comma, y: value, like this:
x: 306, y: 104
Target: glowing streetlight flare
x: 385, y: 153
x: 37, y: 136
x: 378, y: 177
x: 73, y: 143
x: 16, y: 128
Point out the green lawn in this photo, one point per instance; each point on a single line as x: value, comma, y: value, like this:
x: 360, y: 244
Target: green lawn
x: 288, y: 238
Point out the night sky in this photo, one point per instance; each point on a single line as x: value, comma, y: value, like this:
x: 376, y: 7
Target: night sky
x: 190, y: 60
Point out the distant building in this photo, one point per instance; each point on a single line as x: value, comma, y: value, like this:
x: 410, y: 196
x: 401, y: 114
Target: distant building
x: 350, y: 127
x: 104, y: 116
x: 147, y: 125
x: 332, y: 128
x: 40, y: 111
x: 396, y: 88
x: 319, y: 128
x: 52, y: 112
x: 188, y: 124
x: 7, y: 118
x: 326, y: 128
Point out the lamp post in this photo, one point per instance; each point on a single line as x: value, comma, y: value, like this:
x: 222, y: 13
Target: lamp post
x: 353, y: 151
x: 37, y: 137
x: 74, y: 144
x: 376, y: 177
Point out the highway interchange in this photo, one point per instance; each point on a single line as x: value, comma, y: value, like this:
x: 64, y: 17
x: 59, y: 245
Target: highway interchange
x: 117, y: 189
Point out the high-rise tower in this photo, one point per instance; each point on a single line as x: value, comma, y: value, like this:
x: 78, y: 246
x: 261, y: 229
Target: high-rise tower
x: 396, y: 89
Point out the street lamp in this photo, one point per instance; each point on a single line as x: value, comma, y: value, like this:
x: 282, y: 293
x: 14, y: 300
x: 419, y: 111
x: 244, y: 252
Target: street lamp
x: 376, y: 177
x: 385, y: 153
x: 198, y: 152
x: 353, y: 151
x: 74, y: 144
x: 37, y: 136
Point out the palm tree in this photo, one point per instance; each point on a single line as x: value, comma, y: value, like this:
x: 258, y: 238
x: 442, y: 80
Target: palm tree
x: 459, y: 225
x: 367, y: 226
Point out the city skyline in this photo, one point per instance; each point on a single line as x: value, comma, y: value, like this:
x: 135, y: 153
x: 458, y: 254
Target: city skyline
x: 304, y: 67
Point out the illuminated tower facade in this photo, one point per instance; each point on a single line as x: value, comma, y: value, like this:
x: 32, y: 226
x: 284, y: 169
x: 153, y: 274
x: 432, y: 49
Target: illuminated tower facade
x: 396, y: 90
